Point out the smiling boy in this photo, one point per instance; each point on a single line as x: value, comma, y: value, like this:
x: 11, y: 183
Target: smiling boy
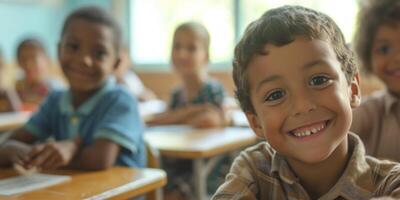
x: 297, y: 83
x: 95, y: 123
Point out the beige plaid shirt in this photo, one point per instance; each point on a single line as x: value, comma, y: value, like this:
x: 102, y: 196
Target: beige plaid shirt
x: 377, y: 122
x: 261, y: 173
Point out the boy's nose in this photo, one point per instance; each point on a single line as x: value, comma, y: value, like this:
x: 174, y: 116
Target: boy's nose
x: 87, y: 61
x: 303, y: 103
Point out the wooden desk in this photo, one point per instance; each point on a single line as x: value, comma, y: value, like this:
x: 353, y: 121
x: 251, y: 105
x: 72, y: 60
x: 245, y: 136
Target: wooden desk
x: 115, y: 183
x: 204, y: 146
x: 13, y: 120
x: 185, y: 142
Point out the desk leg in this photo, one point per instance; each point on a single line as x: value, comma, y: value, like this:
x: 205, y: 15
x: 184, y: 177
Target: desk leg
x: 200, y: 176
x: 201, y: 169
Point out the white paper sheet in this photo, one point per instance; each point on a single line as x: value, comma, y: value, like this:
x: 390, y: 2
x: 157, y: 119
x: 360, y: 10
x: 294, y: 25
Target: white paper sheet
x: 21, y: 184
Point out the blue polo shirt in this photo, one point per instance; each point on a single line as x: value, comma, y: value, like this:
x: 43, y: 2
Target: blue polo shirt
x: 111, y: 113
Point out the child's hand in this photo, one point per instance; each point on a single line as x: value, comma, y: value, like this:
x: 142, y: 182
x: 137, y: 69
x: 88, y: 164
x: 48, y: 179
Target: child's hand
x: 17, y: 152
x: 52, y: 155
x: 210, y: 117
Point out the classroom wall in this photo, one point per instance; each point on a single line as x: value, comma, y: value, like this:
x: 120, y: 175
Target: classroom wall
x: 43, y: 19
x: 19, y: 20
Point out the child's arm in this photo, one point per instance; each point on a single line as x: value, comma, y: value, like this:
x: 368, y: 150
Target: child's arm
x: 16, y: 148
x: 201, y: 116
x: 210, y: 117
x: 19, y: 149
x: 52, y: 155
x: 176, y: 116
x: 102, y: 154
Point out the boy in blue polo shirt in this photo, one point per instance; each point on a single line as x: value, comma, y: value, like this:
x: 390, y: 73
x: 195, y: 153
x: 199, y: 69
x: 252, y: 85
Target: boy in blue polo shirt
x: 95, y: 123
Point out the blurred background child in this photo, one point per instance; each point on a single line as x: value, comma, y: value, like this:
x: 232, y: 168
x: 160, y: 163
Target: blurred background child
x: 198, y: 101
x: 377, y: 44
x: 35, y: 82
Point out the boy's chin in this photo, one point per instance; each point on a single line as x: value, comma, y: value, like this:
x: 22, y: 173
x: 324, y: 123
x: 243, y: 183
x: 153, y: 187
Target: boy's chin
x: 76, y: 87
x: 312, y: 158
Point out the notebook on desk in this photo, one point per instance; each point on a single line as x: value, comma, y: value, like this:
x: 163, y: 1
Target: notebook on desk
x: 21, y: 184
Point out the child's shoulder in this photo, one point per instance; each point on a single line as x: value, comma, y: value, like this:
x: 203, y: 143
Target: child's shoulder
x: 119, y: 90
x: 212, y: 82
x: 386, y: 176
x: 377, y: 103
x: 213, y: 86
x: 120, y: 95
x: 257, y: 158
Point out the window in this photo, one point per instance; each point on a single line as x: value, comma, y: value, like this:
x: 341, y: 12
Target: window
x: 154, y: 21
x: 343, y: 12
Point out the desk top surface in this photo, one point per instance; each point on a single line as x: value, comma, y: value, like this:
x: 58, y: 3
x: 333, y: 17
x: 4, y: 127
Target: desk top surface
x: 13, y: 120
x: 114, y: 183
x: 186, y: 142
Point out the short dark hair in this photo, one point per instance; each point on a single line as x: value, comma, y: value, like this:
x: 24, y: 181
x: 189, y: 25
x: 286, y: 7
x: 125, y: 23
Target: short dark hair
x: 95, y: 14
x: 198, y: 29
x: 373, y: 14
x: 281, y: 26
x: 30, y: 42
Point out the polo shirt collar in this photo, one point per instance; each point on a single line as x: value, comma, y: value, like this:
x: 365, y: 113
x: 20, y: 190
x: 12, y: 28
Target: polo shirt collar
x: 66, y: 106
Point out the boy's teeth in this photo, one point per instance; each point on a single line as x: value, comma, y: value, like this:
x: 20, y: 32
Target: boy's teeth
x: 309, y: 132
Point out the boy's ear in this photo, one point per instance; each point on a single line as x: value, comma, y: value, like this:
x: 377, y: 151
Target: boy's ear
x: 355, y: 93
x: 255, y: 124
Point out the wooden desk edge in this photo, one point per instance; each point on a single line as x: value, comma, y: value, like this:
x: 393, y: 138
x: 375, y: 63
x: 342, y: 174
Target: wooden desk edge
x: 209, y: 153
x: 124, y: 192
x: 10, y: 127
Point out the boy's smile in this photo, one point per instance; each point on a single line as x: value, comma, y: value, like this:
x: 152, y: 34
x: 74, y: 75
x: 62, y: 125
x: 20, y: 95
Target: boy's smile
x: 310, y: 129
x: 302, y: 100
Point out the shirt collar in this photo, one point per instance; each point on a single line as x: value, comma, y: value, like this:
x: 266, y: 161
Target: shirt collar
x: 280, y: 167
x: 347, y: 185
x: 84, y: 109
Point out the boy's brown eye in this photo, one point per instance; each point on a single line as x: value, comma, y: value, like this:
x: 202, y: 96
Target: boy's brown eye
x: 100, y: 54
x: 384, y: 49
x: 72, y: 46
x: 319, y: 80
x: 275, y: 95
